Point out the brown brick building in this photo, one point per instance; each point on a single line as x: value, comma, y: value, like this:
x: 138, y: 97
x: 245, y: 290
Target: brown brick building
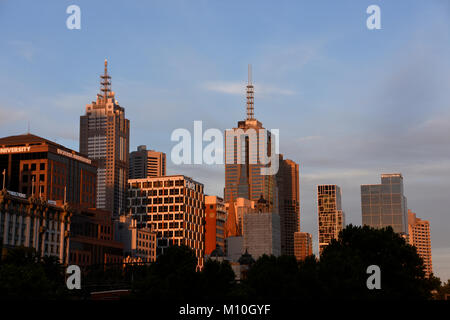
x: 34, y: 165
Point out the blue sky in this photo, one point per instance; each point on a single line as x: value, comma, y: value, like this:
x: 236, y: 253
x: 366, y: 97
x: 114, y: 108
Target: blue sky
x: 350, y: 103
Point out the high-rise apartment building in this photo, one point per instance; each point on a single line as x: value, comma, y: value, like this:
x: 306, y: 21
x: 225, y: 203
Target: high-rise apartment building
x: 147, y: 163
x: 330, y: 214
x: 419, y: 236
x: 174, y: 206
x: 243, y: 147
x: 104, y: 137
x: 384, y: 204
x: 215, y: 223
x: 40, y: 167
x: 288, y: 203
x: 302, y: 245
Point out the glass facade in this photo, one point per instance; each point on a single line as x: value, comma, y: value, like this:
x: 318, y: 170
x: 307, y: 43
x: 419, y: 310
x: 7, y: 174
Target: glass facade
x: 384, y: 204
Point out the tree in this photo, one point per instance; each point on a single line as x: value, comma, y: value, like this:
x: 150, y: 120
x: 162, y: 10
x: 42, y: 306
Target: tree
x: 344, y: 262
x: 173, y: 276
x: 217, y: 280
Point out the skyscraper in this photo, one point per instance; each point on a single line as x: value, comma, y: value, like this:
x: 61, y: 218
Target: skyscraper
x: 288, y: 203
x: 419, y: 236
x: 330, y: 214
x: 243, y: 147
x: 104, y: 137
x: 384, y: 204
x: 147, y: 163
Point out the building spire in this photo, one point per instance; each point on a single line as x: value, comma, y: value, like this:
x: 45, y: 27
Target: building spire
x: 250, y: 94
x: 105, y: 83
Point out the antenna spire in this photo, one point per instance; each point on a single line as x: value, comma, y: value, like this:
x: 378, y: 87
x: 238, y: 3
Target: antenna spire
x: 105, y: 83
x: 250, y: 95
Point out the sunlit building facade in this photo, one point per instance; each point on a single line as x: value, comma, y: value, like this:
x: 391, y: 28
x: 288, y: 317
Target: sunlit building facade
x: 302, y: 245
x: 330, y: 214
x: 147, y: 163
x: 419, y: 236
x: 104, y: 137
x: 215, y: 217
x: 174, y: 207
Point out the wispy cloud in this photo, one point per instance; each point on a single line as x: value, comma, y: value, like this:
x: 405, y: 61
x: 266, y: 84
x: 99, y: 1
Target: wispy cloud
x: 239, y: 88
x: 24, y: 48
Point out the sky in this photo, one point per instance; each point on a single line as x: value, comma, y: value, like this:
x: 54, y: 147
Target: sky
x: 350, y: 103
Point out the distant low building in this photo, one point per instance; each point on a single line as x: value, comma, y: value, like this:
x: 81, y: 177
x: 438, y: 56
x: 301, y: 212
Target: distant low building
x: 139, y: 242
x: 92, y: 239
x: 302, y: 245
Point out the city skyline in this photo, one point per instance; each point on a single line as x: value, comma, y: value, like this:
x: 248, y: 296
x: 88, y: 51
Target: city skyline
x: 384, y: 113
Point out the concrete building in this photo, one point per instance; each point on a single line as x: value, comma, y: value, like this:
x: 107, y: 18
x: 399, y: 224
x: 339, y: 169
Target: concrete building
x: 214, y: 224
x: 288, y: 203
x: 174, y: 206
x: 243, y: 177
x: 33, y: 222
x: 302, y: 245
x: 92, y: 239
x: 139, y: 242
x: 419, y: 236
x: 147, y: 163
x: 330, y: 215
x: 104, y: 137
x: 261, y: 231
x: 36, y: 166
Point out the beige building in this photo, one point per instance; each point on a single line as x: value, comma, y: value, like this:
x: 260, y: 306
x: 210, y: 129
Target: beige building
x: 302, y: 245
x: 174, y: 206
x: 139, y: 243
x: 104, y: 137
x: 34, y: 223
x: 419, y: 236
x: 330, y: 214
x: 147, y: 163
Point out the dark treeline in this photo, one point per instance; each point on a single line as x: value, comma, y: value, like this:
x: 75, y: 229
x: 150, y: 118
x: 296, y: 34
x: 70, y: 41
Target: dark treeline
x: 339, y: 274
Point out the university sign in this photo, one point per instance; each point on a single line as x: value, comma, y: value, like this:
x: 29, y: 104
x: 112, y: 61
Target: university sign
x: 74, y: 156
x: 14, y: 150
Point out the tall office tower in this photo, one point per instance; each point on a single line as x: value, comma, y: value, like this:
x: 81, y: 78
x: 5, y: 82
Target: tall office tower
x: 104, y: 137
x: 302, y: 245
x: 244, y: 146
x: 215, y: 223
x: 174, y: 206
x: 419, y: 236
x: 384, y: 204
x: 288, y: 203
x: 331, y: 216
x: 147, y: 163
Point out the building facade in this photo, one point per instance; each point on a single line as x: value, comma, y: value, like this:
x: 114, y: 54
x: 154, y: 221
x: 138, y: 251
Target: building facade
x: 34, y: 223
x: 302, y: 245
x: 174, y: 206
x: 139, y: 242
x: 92, y: 240
x: 147, y: 163
x: 214, y: 223
x: 330, y: 215
x: 104, y: 137
x: 35, y: 166
x: 384, y: 204
x: 288, y: 203
x: 419, y: 236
